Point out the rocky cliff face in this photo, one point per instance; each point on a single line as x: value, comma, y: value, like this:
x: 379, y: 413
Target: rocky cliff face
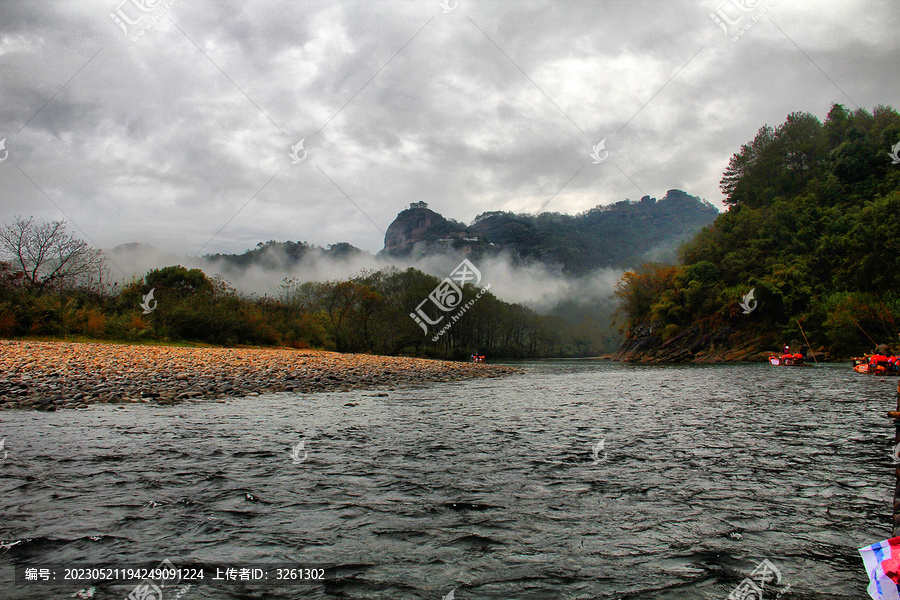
x: 698, y: 345
x: 645, y: 344
x: 415, y: 225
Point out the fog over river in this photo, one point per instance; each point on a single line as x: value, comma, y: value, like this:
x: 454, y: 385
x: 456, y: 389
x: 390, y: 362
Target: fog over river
x: 487, y: 489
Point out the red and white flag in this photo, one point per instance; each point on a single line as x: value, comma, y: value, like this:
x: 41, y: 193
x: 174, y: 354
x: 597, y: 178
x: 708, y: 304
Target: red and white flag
x: 882, y: 562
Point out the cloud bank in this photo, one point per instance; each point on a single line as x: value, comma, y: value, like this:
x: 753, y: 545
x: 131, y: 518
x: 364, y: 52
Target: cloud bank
x: 180, y: 139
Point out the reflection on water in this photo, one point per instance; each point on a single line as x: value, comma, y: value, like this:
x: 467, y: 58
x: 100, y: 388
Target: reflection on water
x: 496, y: 488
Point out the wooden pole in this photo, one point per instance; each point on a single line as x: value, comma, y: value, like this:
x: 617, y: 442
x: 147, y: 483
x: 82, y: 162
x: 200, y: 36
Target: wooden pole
x: 896, y: 515
x: 807, y: 342
x: 863, y: 330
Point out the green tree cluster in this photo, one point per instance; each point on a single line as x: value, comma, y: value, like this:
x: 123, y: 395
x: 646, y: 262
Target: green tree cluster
x: 367, y: 313
x: 813, y: 227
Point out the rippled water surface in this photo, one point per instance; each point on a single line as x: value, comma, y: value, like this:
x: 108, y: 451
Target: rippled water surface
x: 489, y: 487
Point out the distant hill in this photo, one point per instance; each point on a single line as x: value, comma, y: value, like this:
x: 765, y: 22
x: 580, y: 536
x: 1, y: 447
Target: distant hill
x: 619, y: 235
x: 136, y: 258
x: 279, y: 255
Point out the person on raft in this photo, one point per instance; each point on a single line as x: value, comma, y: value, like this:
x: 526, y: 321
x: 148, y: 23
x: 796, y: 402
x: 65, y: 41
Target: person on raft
x: 786, y: 355
x: 884, y: 359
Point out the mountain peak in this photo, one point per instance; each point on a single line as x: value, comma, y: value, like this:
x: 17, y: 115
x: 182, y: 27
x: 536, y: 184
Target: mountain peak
x: 617, y: 235
x: 417, y: 224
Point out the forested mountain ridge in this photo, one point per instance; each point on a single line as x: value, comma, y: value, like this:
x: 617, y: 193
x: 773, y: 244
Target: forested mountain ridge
x: 813, y: 228
x: 618, y: 235
x: 280, y: 255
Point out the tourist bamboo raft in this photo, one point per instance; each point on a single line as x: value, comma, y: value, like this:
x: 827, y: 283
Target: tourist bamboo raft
x: 788, y: 360
x: 877, y: 364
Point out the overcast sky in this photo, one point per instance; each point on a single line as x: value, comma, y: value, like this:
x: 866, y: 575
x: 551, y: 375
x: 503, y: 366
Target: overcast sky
x: 170, y: 122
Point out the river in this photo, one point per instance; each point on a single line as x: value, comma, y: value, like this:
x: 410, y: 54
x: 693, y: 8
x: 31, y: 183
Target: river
x: 489, y: 489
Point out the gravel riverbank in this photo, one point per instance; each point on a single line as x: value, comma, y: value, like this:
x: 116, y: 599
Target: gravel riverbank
x: 55, y: 375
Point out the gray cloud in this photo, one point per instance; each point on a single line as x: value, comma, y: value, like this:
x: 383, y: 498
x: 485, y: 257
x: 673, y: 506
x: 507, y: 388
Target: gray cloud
x: 151, y: 141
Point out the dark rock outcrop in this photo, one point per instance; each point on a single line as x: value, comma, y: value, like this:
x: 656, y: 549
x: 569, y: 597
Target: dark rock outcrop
x: 645, y: 343
x: 418, y: 225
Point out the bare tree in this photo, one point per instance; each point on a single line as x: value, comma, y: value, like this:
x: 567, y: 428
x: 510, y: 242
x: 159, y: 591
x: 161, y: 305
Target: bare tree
x: 47, y: 254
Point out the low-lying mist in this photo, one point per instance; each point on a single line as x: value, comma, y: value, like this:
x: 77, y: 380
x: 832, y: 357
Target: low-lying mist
x: 536, y: 285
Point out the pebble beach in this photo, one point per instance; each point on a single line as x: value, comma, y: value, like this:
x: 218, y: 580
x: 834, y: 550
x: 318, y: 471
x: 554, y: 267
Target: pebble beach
x: 62, y: 375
